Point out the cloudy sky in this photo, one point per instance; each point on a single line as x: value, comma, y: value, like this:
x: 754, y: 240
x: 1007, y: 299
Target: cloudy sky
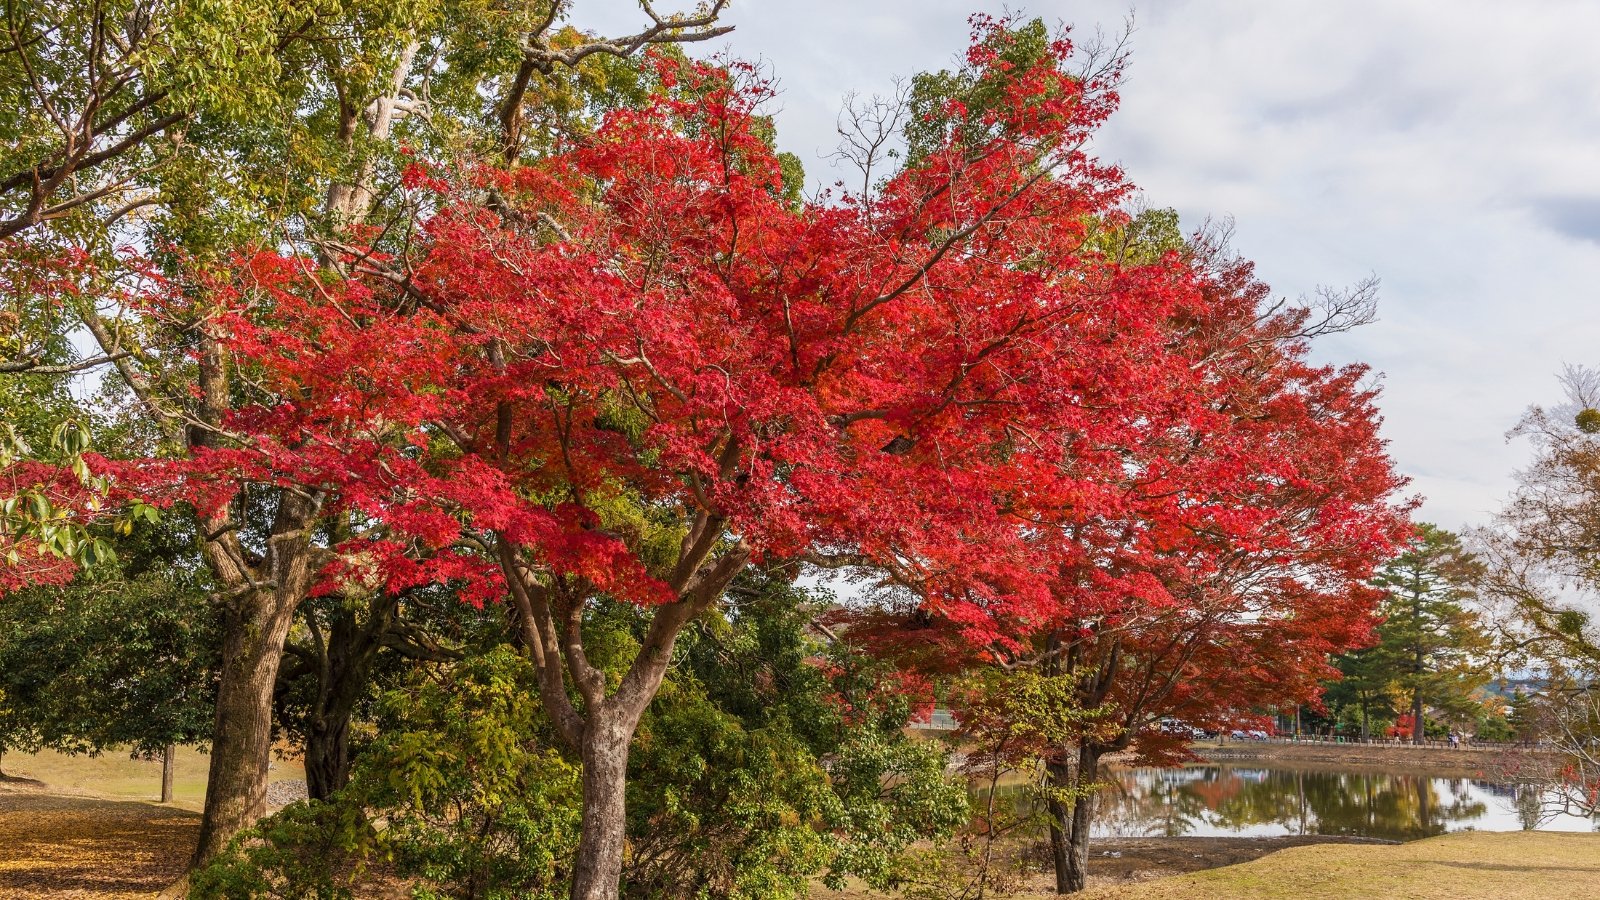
x: 1451, y: 147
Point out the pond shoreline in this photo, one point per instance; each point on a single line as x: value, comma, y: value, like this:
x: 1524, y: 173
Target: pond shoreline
x: 1461, y: 866
x: 1121, y: 860
x: 1465, y: 761
x: 1124, y: 861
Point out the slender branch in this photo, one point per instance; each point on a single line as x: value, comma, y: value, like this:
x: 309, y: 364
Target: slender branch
x: 36, y: 367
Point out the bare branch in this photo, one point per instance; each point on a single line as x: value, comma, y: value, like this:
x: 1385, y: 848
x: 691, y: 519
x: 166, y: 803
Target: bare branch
x: 673, y: 29
x: 35, y: 367
x: 869, y: 130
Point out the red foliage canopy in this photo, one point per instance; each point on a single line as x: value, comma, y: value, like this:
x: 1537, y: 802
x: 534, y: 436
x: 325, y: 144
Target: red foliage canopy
x: 950, y: 384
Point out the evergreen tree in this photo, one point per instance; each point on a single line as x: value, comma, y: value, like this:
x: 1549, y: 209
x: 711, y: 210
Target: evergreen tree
x: 1365, y: 687
x: 1430, y: 643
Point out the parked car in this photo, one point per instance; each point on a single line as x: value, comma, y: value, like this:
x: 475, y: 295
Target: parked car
x: 1181, y: 729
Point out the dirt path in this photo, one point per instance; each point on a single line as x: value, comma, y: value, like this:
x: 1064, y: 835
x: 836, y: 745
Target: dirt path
x: 54, y: 846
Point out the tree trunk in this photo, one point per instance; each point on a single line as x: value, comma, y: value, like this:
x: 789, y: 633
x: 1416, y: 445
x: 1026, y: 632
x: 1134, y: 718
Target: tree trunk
x: 603, y: 731
x: 328, y: 754
x: 241, y: 746
x: 1418, y: 736
x: 168, y: 758
x: 348, y: 203
x: 346, y: 671
x: 1082, y: 818
x: 597, y: 871
x: 1070, y: 822
x: 1060, y: 816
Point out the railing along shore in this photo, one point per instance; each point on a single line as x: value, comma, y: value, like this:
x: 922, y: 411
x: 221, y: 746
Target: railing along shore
x: 1432, y: 743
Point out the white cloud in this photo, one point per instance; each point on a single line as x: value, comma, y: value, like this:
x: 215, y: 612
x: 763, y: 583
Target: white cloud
x: 1452, y: 148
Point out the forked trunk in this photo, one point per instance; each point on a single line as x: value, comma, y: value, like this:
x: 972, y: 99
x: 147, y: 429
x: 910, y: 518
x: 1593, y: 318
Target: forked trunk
x: 1070, y: 821
x: 604, y: 730
x: 351, y: 651
x: 241, y: 746
x: 597, y: 871
x: 343, y: 672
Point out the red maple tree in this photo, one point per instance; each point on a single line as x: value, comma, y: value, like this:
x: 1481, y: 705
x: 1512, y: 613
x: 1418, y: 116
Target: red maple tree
x: 1228, y: 561
x: 627, y: 370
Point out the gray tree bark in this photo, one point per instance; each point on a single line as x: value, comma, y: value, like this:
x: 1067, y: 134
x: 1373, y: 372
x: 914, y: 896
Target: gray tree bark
x: 1070, y: 822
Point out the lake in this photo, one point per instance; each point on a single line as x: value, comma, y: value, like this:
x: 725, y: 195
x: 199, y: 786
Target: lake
x: 1252, y: 801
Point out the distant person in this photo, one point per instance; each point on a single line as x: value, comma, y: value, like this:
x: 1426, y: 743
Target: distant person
x: 1455, y: 740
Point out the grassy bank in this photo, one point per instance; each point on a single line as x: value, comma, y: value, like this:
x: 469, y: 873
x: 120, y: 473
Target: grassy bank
x: 1463, y: 866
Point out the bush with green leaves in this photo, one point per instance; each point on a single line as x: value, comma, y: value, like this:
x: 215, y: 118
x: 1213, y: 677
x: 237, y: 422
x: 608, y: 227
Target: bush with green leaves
x: 460, y: 796
x: 772, y: 757
x: 767, y: 760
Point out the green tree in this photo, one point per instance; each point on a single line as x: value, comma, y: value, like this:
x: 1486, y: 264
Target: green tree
x: 1365, y: 689
x: 95, y: 97
x: 960, y: 104
x: 729, y: 795
x: 351, y: 646
x: 1430, y: 642
x: 123, y: 658
x: 473, y: 800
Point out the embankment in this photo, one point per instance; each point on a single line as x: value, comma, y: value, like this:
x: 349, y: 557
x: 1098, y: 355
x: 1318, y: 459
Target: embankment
x: 1467, y: 760
x: 1526, y: 865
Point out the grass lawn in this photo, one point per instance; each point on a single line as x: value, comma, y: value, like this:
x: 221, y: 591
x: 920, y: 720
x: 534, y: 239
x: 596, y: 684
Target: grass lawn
x: 114, y: 775
x: 1464, y: 866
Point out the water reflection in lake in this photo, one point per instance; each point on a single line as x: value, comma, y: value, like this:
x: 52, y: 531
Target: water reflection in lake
x: 1259, y: 802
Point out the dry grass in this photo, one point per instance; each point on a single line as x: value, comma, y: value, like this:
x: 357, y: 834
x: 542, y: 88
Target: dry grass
x: 113, y: 775
x: 1463, y: 866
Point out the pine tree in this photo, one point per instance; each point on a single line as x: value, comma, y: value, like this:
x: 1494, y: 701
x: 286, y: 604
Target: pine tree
x: 1430, y: 639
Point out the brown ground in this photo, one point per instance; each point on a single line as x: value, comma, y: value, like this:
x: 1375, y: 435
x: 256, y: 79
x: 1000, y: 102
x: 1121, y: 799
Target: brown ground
x: 54, y: 846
